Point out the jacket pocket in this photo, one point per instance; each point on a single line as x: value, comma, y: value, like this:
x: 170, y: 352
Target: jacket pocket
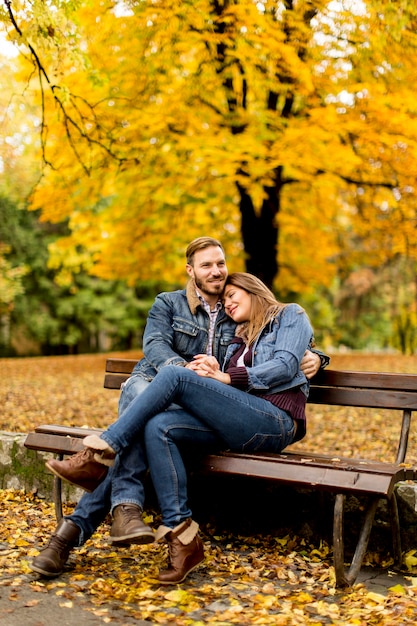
x: 185, y: 337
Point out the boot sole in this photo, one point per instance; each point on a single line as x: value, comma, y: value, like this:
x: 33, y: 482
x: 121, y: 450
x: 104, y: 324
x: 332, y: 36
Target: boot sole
x: 128, y: 540
x: 53, y: 470
x: 44, y: 572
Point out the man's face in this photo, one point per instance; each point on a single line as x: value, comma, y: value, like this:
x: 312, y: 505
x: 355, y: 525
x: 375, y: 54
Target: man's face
x: 209, y: 271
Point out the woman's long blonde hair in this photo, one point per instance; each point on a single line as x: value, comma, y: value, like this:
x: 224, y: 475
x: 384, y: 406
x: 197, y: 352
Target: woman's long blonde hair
x: 264, y: 305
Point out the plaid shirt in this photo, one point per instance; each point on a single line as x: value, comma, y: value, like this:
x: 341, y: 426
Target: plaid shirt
x: 212, y: 313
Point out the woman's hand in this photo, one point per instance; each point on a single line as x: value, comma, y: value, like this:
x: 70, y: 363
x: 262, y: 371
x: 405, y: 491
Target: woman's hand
x: 205, y: 362
x: 208, y: 367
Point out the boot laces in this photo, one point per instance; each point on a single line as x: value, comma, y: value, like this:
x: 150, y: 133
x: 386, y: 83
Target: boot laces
x: 174, y: 545
x: 129, y: 513
x: 83, y: 455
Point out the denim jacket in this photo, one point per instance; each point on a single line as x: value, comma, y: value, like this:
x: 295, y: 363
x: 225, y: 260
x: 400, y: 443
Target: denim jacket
x: 277, y: 352
x: 177, y: 330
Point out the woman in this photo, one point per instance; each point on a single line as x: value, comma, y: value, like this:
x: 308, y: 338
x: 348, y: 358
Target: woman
x: 255, y: 402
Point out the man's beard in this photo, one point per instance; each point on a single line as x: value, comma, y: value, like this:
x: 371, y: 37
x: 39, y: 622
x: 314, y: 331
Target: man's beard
x: 209, y: 288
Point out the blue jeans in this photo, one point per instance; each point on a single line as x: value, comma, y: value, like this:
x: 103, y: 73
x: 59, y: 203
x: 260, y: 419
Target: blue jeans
x: 167, y: 436
x: 213, y: 414
x: 93, y: 508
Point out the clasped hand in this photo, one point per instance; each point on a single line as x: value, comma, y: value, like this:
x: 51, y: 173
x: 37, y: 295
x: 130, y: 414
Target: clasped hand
x: 208, y: 367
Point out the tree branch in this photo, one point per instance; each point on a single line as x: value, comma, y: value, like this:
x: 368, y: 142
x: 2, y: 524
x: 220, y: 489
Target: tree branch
x: 69, y: 121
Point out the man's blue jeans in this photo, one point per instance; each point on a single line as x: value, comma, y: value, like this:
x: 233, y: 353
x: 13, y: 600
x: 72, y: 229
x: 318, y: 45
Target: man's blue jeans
x: 214, y: 414
x: 93, y: 508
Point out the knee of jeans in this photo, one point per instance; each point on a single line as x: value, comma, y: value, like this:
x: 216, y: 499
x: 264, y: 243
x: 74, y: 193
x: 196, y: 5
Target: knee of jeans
x: 133, y: 387
x: 159, y: 427
x: 153, y: 429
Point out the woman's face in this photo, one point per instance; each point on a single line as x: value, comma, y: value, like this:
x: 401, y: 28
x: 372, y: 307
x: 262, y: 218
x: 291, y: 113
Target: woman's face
x: 237, y: 303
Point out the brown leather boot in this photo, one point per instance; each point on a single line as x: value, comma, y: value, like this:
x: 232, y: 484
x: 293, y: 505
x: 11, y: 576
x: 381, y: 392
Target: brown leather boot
x: 128, y: 526
x: 103, y: 452
x: 81, y: 469
x: 51, y: 560
x: 185, y: 550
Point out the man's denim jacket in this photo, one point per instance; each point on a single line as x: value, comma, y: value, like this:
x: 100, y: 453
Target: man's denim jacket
x: 177, y: 330
x: 277, y: 352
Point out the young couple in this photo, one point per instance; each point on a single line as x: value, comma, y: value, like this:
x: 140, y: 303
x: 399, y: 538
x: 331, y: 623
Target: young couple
x: 226, y: 362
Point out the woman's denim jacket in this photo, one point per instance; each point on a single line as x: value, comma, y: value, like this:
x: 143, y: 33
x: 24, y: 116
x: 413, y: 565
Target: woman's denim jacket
x: 277, y: 353
x: 177, y: 330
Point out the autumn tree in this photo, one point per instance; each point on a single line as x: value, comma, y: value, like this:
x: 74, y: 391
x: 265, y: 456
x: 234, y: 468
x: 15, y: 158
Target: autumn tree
x: 242, y: 119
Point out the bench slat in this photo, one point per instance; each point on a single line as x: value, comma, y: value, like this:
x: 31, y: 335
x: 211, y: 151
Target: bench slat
x: 53, y: 443
x: 327, y: 377
x: 337, y: 474
x: 333, y: 387
x: 369, y: 398
x: 67, y: 431
x: 311, y: 458
x: 357, y: 479
x: 114, y: 381
x: 120, y: 366
x: 58, y: 439
x: 370, y: 380
x: 372, y: 398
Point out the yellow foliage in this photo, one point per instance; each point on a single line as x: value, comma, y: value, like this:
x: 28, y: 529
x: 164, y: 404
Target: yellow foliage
x: 155, y: 119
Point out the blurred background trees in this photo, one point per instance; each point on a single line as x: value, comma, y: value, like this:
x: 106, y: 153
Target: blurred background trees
x: 286, y: 129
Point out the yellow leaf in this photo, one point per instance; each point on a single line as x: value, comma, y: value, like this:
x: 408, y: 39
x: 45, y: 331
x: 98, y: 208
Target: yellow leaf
x: 25, y: 567
x: 67, y: 605
x: 375, y: 597
x: 178, y: 595
x: 22, y: 542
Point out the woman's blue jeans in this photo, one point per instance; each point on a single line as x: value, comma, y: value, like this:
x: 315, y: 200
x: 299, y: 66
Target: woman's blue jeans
x: 213, y: 415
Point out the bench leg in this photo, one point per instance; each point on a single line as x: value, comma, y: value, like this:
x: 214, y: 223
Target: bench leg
x: 57, y: 493
x: 343, y: 578
x: 395, y: 529
x: 338, y: 544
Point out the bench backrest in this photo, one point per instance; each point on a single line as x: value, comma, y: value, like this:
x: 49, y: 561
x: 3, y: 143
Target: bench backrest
x: 332, y: 387
x: 335, y: 387
x: 117, y: 371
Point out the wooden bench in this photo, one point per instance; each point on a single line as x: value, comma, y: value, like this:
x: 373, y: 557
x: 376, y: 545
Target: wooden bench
x: 342, y: 476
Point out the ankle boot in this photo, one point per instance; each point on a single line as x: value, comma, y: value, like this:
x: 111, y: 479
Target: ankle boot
x: 185, y: 550
x: 103, y: 452
x: 128, y: 526
x: 51, y: 560
x: 82, y: 469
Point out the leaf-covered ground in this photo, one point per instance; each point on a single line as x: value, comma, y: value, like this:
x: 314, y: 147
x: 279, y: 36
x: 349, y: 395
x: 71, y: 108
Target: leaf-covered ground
x: 64, y: 390
x: 267, y: 579
x: 275, y: 581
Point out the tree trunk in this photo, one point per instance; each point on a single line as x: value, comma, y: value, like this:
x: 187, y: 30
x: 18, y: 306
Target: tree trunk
x: 260, y: 232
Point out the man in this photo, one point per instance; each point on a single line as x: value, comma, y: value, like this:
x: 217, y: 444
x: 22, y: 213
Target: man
x: 180, y: 325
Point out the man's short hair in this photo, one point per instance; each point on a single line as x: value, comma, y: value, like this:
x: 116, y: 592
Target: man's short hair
x: 200, y: 244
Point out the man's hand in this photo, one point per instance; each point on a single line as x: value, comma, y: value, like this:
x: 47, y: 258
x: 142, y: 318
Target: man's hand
x: 310, y: 364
